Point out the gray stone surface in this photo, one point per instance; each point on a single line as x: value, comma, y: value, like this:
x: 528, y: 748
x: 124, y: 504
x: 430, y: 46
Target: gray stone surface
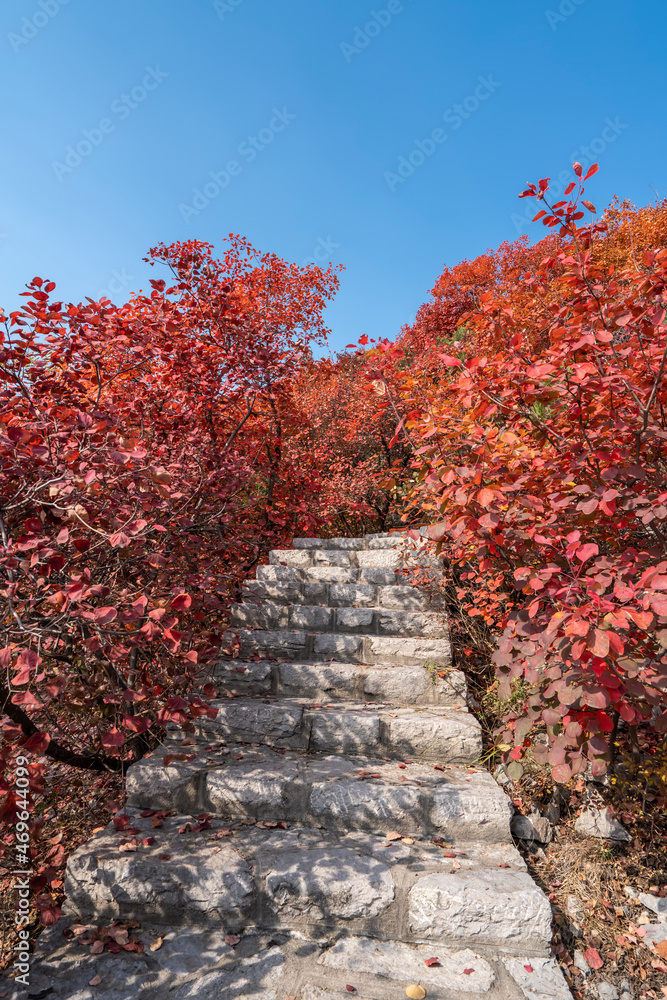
x: 452, y: 736
x: 594, y: 822
x: 356, y: 595
x: 347, y: 648
x: 655, y: 933
x: 107, y: 883
x: 532, y: 827
x: 315, y: 618
x: 402, y: 598
x: 285, y: 645
x: 251, y: 789
x: 328, y: 884
x: 501, y: 908
x: 264, y: 616
x: 345, y: 732
x: 355, y: 620
x: 290, y: 557
x: 410, y: 652
x: 657, y: 904
x: 538, y: 978
x: 406, y: 963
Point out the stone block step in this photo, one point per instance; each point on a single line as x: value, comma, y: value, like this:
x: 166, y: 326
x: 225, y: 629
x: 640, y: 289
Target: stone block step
x: 381, y: 558
x: 443, y: 735
x: 336, y: 595
x: 344, y: 682
x: 329, y: 574
x: 309, y: 881
x: 320, y: 618
x: 335, y: 792
x: 300, y: 645
x: 197, y: 963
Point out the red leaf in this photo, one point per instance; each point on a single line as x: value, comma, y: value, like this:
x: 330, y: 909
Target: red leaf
x: 432, y: 961
x: 592, y: 170
x: 351, y: 989
x: 104, y: 616
x: 593, y: 958
x: 578, y: 169
x: 587, y: 551
x: 468, y: 972
x: 528, y: 968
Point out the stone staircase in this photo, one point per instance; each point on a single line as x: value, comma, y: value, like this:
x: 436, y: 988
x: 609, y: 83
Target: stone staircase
x: 327, y: 832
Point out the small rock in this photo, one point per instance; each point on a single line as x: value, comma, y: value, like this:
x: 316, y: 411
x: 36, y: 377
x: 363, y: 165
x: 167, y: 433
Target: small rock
x: 501, y: 777
x: 655, y: 933
x: 531, y: 827
x: 655, y: 903
x: 600, y: 823
x: 581, y: 963
x: 626, y: 990
x: 606, y: 991
x: 552, y: 813
x: 573, y: 908
x: 630, y: 892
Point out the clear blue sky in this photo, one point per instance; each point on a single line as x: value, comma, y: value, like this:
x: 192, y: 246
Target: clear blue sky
x: 314, y: 116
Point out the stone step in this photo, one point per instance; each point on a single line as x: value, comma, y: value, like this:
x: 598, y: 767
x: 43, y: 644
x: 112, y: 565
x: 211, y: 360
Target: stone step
x: 345, y: 682
x: 329, y: 574
x: 350, y: 648
x: 320, y: 618
x: 336, y: 595
x: 197, y: 963
x: 334, y: 792
x: 385, y: 558
x: 444, y: 735
x: 308, y: 881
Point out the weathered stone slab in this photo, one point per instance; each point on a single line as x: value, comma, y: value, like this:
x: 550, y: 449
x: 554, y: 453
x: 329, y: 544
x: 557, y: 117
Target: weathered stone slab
x: 455, y: 737
x: 329, y: 884
x: 285, y: 645
x: 406, y: 963
x: 355, y: 620
x: 277, y: 592
x: 409, y: 652
x: 315, y: 680
x: 402, y: 598
x: 244, y: 677
x: 538, y: 978
x: 190, y: 964
x: 380, y: 559
x: 477, y: 810
x: 345, y: 732
x: 411, y: 623
x: 499, y: 908
x: 348, y: 544
x: 346, y: 648
x: 175, y: 874
x: 290, y: 557
x: 154, y: 786
x: 331, y: 557
x: 252, y: 790
x: 314, y: 618
x: 264, y: 616
x: 255, y: 722
x: 345, y: 595
x: 352, y: 804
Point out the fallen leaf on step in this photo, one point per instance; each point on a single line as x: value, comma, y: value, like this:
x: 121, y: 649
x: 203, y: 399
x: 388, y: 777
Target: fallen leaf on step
x: 155, y: 945
x: 165, y: 857
x: 448, y: 854
x: 415, y: 992
x: 501, y: 864
x: 232, y: 940
x: 393, y: 835
x: 432, y: 961
x: 438, y: 767
x: 661, y: 948
x: 468, y: 972
x: 402, y: 766
x: 407, y: 840
x: 351, y: 989
x: 528, y: 968
x: 95, y: 981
